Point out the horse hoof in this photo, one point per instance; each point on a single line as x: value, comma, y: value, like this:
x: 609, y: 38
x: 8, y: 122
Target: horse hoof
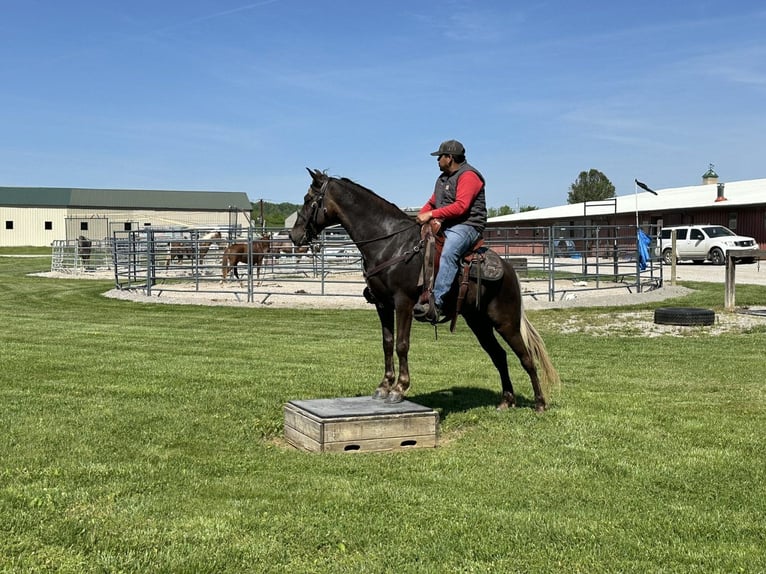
x: 394, y: 397
x: 380, y: 394
x: 505, y: 406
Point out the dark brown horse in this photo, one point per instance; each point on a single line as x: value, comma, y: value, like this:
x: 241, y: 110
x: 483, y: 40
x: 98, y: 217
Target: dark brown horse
x: 178, y: 251
x: 279, y: 247
x: 83, y: 249
x: 240, y: 253
x: 390, y: 245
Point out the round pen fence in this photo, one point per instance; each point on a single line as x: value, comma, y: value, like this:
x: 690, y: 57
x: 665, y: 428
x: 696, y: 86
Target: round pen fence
x: 552, y: 262
x: 559, y: 261
x: 247, y: 264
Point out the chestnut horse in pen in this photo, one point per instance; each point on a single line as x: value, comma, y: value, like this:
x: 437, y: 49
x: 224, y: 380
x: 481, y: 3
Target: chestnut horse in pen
x: 252, y: 256
x: 391, y: 246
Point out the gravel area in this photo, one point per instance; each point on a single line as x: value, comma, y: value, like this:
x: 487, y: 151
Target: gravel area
x: 307, y: 294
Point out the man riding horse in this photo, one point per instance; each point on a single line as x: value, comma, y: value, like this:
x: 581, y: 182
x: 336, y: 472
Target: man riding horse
x: 459, y: 204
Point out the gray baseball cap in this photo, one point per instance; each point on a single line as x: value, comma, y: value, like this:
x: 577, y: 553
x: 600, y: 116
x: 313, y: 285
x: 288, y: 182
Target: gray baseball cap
x: 450, y: 147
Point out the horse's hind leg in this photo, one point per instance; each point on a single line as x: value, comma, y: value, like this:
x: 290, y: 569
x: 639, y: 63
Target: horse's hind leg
x: 516, y: 341
x: 483, y: 330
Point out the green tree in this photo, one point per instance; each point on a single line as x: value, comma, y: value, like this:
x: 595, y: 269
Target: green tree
x: 274, y: 214
x: 524, y: 208
x: 503, y: 210
x: 590, y: 186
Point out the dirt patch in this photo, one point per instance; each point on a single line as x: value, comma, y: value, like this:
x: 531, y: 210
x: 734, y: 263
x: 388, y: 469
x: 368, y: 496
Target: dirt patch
x: 347, y: 294
x: 641, y: 324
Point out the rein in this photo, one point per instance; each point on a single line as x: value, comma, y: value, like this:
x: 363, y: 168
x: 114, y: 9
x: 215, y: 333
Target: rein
x: 406, y: 256
x: 397, y: 232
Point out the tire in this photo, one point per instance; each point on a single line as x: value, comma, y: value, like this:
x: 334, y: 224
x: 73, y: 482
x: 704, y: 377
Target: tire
x: 684, y: 316
x: 717, y: 256
x: 667, y: 256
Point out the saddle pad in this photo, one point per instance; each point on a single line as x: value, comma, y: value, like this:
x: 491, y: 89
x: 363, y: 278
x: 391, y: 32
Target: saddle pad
x: 487, y: 264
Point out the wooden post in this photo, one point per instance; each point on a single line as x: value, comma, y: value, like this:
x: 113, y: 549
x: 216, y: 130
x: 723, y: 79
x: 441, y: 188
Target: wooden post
x: 673, y: 260
x: 730, y: 287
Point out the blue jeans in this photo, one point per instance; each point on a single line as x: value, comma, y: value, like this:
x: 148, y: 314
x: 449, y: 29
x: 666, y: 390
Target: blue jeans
x: 457, y: 240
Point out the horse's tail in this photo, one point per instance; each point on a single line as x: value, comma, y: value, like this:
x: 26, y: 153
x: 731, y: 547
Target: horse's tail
x: 549, y: 377
x: 536, y: 347
x: 203, y: 249
x: 225, y: 264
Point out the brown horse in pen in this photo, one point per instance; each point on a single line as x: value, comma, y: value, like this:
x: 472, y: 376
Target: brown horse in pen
x: 178, y: 251
x: 391, y: 246
x: 240, y: 253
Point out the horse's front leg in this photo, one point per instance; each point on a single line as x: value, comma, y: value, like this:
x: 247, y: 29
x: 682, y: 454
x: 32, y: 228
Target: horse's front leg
x: 386, y: 316
x: 403, y: 328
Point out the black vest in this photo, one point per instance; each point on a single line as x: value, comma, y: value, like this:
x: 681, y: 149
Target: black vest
x: 445, y: 192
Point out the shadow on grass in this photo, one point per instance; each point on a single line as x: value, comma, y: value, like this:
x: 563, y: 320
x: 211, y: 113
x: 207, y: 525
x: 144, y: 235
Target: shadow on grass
x: 464, y: 399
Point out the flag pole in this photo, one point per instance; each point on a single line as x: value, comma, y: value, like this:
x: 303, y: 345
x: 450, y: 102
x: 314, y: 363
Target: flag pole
x: 642, y: 185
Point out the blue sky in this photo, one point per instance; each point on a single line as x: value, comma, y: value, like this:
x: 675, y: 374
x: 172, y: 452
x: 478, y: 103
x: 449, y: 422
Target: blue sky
x: 241, y: 96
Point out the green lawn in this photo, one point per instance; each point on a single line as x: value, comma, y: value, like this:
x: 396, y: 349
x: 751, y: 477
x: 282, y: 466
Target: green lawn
x: 148, y: 438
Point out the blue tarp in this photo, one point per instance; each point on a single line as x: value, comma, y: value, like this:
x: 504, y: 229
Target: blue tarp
x: 644, y: 241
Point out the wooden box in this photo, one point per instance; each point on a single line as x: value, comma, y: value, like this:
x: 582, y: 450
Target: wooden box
x: 359, y: 424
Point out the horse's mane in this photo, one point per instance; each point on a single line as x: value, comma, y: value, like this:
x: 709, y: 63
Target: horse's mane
x: 350, y: 182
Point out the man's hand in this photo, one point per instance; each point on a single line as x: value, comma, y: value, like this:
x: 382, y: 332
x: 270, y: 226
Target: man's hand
x: 424, y: 217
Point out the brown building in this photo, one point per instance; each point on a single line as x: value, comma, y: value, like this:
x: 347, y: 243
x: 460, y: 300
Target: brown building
x: 738, y: 205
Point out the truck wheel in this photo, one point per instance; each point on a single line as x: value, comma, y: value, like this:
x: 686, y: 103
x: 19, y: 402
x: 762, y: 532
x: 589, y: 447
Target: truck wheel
x: 717, y: 256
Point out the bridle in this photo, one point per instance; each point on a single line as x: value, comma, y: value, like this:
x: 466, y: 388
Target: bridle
x: 317, y: 204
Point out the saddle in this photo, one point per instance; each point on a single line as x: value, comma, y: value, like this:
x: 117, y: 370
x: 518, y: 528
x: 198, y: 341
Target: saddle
x: 479, y: 263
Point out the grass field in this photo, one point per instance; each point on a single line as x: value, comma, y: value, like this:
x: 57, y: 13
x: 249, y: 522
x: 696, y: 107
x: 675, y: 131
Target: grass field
x: 148, y: 438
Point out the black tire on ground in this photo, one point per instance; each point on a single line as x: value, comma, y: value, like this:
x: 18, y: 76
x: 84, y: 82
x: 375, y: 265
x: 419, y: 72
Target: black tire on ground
x: 684, y: 316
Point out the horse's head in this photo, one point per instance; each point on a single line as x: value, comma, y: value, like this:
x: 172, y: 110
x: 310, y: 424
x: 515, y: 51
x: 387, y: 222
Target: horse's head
x: 211, y: 236
x: 313, y: 217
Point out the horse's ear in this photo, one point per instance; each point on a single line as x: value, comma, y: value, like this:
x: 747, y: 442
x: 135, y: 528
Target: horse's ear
x: 315, y: 174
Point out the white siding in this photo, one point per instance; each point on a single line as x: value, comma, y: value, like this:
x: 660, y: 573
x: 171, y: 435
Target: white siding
x: 29, y: 222
x: 29, y: 226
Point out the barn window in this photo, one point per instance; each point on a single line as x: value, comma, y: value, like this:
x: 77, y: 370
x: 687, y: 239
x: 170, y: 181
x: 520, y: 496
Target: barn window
x: 48, y: 225
x: 127, y: 226
x: 733, y: 220
x: 9, y: 224
x: 83, y: 226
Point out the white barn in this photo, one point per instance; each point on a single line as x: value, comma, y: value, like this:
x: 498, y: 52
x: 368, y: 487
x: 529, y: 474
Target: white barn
x: 38, y: 216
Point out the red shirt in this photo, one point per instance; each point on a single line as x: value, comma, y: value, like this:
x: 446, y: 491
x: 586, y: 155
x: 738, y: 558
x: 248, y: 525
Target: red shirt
x: 468, y: 187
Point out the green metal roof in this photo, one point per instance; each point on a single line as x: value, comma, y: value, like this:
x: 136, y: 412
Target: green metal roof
x: 123, y: 198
